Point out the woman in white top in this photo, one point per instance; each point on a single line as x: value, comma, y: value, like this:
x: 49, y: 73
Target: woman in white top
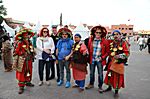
x: 45, y: 45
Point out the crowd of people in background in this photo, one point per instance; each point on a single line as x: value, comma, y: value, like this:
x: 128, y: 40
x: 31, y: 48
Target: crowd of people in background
x: 59, y: 50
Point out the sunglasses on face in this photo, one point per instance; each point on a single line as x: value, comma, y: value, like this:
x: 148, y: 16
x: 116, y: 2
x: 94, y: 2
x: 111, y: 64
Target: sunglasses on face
x: 45, y: 31
x: 98, y: 32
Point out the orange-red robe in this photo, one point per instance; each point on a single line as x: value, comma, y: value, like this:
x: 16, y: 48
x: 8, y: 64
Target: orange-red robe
x: 25, y: 49
x: 114, y: 79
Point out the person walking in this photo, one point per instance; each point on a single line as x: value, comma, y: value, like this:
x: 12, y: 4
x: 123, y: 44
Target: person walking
x: 23, y: 56
x: 141, y: 42
x: 7, y: 53
x: 64, y: 47
x: 148, y: 44
x: 98, y: 51
x: 118, y: 54
x: 45, y: 49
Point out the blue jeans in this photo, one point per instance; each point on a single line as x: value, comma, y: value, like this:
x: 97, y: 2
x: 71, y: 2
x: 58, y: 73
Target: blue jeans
x: 80, y: 83
x: 62, y: 64
x: 100, y: 73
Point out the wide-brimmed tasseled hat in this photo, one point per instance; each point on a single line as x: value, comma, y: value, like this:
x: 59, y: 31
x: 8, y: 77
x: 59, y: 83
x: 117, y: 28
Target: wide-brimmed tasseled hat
x: 64, y: 30
x: 103, y: 30
x: 23, y: 31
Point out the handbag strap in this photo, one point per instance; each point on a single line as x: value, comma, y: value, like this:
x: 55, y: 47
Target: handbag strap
x: 42, y: 44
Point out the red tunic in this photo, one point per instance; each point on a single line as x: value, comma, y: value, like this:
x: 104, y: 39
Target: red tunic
x: 78, y: 74
x: 24, y: 48
x: 116, y: 80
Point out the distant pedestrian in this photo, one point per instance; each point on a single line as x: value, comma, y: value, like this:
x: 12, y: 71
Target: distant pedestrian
x: 141, y: 42
x: 7, y: 53
x: 148, y: 44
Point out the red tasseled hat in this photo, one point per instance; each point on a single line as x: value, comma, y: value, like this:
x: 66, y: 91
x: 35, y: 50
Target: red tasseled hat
x: 22, y: 32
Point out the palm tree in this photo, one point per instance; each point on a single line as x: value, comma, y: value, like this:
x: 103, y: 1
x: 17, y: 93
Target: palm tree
x: 3, y: 10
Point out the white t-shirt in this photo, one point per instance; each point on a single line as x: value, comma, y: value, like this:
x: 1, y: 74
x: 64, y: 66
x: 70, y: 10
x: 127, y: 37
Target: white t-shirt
x: 140, y: 41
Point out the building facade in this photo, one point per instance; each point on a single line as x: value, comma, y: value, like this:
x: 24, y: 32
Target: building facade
x: 125, y: 29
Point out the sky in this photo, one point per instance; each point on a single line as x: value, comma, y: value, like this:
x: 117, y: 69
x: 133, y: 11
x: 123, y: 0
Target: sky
x: 91, y: 12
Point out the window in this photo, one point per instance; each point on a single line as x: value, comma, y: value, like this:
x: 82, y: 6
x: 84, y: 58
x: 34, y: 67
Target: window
x: 130, y: 28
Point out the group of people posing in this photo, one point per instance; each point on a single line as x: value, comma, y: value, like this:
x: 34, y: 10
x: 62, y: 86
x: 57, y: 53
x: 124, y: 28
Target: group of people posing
x: 64, y: 51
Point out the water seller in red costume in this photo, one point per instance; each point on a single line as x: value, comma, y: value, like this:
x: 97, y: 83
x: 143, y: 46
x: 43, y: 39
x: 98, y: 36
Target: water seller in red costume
x: 118, y: 56
x: 23, y: 56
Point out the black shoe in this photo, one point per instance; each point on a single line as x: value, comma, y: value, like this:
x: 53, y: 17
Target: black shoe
x: 58, y: 79
x: 30, y: 84
x: 116, y: 96
x: 52, y: 77
x: 108, y: 89
x: 21, y: 90
x: 89, y: 86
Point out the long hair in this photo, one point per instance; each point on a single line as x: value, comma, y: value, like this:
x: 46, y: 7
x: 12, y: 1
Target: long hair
x: 41, y: 32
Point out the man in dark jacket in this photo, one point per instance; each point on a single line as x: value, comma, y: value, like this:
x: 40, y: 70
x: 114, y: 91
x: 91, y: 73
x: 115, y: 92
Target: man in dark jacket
x: 55, y: 39
x: 148, y: 44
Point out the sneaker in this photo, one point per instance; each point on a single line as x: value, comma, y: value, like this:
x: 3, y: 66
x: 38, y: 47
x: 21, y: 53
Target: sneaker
x: 89, y: 86
x: 126, y: 64
x: 100, y: 90
x: 80, y: 89
x: 58, y: 79
x: 40, y: 83
x: 60, y: 83
x: 67, y: 84
x: 75, y: 86
x: 48, y: 83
